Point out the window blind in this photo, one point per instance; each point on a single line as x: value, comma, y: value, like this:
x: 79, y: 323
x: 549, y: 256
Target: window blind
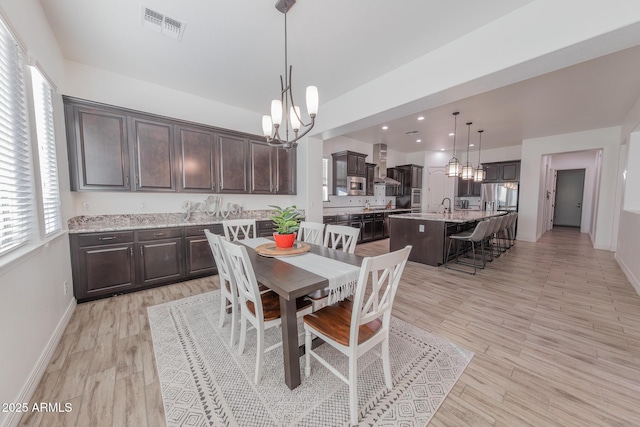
x: 325, y: 179
x: 43, y: 106
x: 16, y: 218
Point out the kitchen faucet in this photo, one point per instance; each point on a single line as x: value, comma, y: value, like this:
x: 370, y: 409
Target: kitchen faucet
x: 446, y: 198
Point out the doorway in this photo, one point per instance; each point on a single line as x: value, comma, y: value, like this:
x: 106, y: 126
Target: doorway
x: 569, y: 198
x: 439, y: 186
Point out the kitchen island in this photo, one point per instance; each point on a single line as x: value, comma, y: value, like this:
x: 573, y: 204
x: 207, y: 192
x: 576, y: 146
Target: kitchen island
x: 429, y: 233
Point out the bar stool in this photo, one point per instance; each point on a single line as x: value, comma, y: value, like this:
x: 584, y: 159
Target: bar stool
x: 477, y: 235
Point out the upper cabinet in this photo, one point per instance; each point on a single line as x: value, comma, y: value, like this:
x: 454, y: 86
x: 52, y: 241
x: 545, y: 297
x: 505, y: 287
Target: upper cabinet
x: 502, y: 171
x: 355, y: 163
x: 371, y: 176
x: 98, y: 149
x: 116, y: 149
x: 412, y: 177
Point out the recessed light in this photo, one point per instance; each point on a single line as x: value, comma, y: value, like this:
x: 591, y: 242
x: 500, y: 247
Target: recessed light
x: 472, y: 145
x: 418, y: 140
x: 421, y: 118
x: 385, y: 127
x: 442, y: 149
x: 451, y: 134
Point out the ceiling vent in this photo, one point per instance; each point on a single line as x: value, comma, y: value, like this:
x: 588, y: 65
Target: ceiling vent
x: 163, y: 24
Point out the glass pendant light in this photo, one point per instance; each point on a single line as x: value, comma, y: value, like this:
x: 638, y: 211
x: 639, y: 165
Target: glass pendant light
x: 479, y: 174
x: 454, y: 168
x: 467, y: 169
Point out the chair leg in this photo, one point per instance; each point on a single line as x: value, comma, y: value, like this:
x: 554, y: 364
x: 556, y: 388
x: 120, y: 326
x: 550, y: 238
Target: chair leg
x: 259, y: 354
x: 307, y: 352
x: 386, y: 363
x: 243, y: 334
x: 473, y: 249
x: 353, y: 388
x: 223, y: 309
x: 234, y: 322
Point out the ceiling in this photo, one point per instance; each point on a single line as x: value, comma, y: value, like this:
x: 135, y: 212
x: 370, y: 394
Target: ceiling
x: 233, y: 52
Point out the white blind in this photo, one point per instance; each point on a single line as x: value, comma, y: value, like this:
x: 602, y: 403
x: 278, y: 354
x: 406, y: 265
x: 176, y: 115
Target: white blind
x: 43, y: 107
x: 16, y: 217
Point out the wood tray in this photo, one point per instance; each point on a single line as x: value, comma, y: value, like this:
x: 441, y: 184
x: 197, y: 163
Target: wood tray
x: 271, y: 250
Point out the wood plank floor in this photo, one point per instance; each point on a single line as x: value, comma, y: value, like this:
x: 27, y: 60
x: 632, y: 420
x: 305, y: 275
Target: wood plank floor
x: 555, y: 327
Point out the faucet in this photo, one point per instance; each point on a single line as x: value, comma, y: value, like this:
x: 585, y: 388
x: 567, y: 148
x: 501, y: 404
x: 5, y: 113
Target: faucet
x: 449, y: 208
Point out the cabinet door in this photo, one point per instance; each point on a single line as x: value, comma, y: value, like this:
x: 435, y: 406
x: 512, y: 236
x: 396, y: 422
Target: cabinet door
x: 476, y: 188
x: 98, y: 149
x: 199, y: 258
x: 378, y: 228
x: 493, y: 172
x: 362, y: 166
x: 510, y: 171
x: 262, y: 158
x: 232, y: 164
x: 371, y: 171
x: 196, y: 158
x: 105, y: 269
x: 160, y: 261
x: 417, y: 177
x: 352, y: 164
x: 367, y: 230
x: 153, y: 147
x: 286, y: 171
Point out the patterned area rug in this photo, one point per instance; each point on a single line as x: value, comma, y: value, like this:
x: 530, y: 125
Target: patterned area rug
x: 204, y: 382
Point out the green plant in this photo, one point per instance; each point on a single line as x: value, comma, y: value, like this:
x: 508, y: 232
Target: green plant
x: 286, y: 220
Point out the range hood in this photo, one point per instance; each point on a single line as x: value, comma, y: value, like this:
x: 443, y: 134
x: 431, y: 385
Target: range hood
x: 380, y: 159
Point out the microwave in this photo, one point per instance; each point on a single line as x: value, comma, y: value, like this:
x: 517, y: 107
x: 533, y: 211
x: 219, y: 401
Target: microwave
x: 356, y: 186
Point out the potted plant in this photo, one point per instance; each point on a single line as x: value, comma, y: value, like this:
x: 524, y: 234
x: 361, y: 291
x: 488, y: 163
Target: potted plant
x: 287, y: 222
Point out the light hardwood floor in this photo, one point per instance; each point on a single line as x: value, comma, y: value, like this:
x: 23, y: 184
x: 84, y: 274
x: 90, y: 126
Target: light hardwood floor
x: 555, y: 327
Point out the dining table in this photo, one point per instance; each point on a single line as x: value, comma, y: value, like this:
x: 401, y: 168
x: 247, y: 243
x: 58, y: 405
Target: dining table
x: 291, y: 282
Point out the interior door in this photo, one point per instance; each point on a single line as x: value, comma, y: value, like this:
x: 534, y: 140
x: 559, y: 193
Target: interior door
x: 569, y: 194
x: 439, y: 186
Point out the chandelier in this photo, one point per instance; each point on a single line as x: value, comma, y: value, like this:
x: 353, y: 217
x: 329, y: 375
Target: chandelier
x: 271, y: 125
x: 479, y: 173
x: 454, y: 168
x: 467, y: 169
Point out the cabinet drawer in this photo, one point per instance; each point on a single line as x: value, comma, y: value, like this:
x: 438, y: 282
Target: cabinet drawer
x: 379, y: 215
x: 367, y: 216
x: 198, y: 230
x: 94, y: 239
x: 328, y: 219
x: 264, y: 225
x: 355, y: 217
x: 159, y: 233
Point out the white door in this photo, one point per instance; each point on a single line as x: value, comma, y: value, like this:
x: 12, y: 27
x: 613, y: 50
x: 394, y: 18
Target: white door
x: 569, y: 193
x: 439, y: 186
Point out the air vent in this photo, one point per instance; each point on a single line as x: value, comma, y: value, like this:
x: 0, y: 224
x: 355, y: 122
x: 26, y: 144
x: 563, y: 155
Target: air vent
x: 411, y: 132
x: 163, y: 24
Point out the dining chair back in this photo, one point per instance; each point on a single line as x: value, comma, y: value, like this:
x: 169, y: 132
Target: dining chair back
x: 311, y: 232
x: 261, y: 310
x: 238, y: 229
x: 355, y: 327
x: 341, y: 235
x: 228, y: 289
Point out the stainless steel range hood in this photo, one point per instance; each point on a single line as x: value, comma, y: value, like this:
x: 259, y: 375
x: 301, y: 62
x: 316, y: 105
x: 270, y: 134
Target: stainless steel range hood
x: 380, y: 159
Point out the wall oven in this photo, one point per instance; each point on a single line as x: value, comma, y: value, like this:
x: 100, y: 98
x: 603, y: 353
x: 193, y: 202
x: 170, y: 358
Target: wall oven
x: 356, y: 186
x: 416, y: 199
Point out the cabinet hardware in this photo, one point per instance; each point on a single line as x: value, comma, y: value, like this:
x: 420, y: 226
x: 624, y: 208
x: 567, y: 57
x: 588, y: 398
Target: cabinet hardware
x: 107, y: 238
x: 131, y: 252
x: 141, y: 251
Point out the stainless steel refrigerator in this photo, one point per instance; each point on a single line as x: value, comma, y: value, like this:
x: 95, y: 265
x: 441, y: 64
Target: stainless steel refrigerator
x: 501, y: 196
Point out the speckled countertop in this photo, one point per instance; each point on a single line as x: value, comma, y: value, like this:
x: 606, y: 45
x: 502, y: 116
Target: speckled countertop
x: 456, y: 216
x: 358, y: 210
x: 97, y: 223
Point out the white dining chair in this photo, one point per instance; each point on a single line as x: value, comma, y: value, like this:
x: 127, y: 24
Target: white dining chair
x: 262, y: 311
x: 337, y: 235
x: 355, y: 327
x: 311, y: 232
x: 238, y: 229
x: 228, y: 289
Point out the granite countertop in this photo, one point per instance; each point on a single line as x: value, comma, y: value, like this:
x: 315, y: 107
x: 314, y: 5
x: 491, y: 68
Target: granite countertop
x: 456, y: 216
x: 358, y: 210
x: 98, y: 223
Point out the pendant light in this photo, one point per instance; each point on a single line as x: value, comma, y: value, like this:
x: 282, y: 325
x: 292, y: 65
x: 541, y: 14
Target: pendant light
x: 467, y: 169
x: 454, y: 168
x: 479, y: 174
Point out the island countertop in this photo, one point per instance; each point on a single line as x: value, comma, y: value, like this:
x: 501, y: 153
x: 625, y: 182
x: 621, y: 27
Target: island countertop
x: 455, y: 216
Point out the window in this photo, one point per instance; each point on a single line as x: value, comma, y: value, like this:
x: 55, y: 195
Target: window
x: 325, y: 179
x: 16, y: 218
x: 43, y: 107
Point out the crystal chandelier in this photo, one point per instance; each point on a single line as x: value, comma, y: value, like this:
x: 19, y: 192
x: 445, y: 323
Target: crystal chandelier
x: 479, y: 173
x: 467, y: 169
x: 454, y: 168
x: 271, y: 125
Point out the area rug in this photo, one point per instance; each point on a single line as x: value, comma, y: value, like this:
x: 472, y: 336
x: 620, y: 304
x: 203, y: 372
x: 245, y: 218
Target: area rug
x: 204, y: 381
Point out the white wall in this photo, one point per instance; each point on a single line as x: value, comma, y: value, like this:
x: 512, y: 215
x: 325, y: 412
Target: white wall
x: 532, y: 180
x: 34, y: 306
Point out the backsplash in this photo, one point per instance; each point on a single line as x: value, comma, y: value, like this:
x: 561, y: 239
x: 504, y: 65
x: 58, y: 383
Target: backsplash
x: 378, y: 199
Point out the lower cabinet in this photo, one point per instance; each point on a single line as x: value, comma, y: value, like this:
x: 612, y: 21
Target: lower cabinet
x: 264, y: 228
x: 106, y: 264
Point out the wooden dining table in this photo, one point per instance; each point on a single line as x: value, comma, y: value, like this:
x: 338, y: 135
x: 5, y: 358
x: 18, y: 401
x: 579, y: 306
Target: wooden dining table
x: 291, y: 282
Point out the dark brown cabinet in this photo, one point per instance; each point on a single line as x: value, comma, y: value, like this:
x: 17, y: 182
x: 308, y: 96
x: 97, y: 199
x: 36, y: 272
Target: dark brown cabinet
x: 356, y: 164
x: 117, y: 149
x: 264, y: 228
x: 98, y: 149
x: 198, y: 256
x: 153, y: 148
x: 412, y: 177
x: 502, y: 171
x: 196, y: 159
x: 371, y: 175
x: 161, y: 255
x: 398, y: 175
x: 378, y: 226
x: 468, y: 188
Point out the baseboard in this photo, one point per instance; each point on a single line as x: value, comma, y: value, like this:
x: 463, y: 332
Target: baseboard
x: 627, y: 272
x: 41, y: 366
